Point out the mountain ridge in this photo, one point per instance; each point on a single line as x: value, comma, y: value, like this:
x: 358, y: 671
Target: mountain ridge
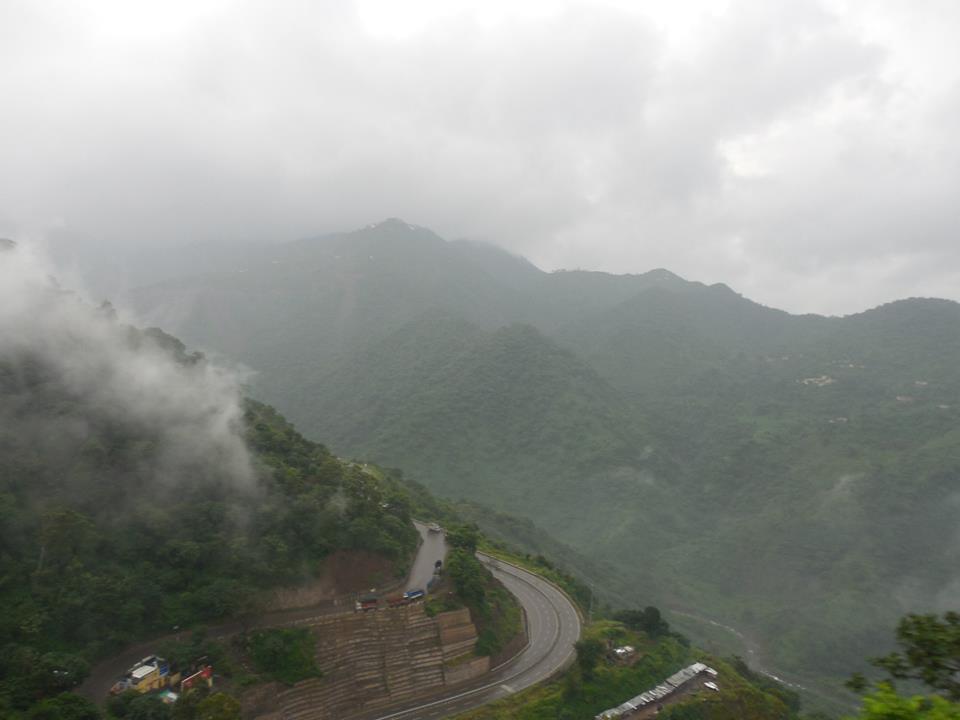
x: 707, y: 424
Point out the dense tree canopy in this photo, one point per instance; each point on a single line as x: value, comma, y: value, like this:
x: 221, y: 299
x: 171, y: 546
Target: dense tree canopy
x: 104, y: 537
x: 930, y: 654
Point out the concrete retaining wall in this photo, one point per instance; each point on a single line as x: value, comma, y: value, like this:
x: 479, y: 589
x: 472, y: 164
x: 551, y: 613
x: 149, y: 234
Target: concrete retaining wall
x: 466, y: 671
x: 452, y: 618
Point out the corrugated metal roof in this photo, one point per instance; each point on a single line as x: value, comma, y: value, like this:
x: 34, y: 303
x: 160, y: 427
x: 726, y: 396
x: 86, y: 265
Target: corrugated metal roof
x: 142, y: 671
x: 658, y: 693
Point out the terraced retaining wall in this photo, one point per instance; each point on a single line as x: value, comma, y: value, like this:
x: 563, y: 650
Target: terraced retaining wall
x: 373, y: 661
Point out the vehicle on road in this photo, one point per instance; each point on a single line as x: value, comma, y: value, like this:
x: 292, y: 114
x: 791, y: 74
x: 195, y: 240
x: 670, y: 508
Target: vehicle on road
x: 414, y: 595
x: 434, y: 528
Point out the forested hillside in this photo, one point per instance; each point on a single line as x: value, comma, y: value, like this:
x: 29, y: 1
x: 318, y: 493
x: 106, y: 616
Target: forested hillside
x: 140, y: 493
x: 480, y: 413
x: 777, y: 473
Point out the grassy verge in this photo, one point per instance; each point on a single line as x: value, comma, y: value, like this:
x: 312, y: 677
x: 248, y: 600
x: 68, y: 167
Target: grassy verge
x: 594, y: 685
x: 579, y: 694
x: 539, y: 565
x: 494, y: 611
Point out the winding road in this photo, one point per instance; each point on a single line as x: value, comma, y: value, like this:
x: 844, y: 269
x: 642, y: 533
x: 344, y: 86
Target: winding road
x: 553, y: 627
x: 433, y: 547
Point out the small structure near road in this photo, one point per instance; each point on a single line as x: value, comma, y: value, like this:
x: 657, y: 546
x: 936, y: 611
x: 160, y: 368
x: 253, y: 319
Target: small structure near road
x: 151, y: 673
x: 154, y: 673
x: 372, y: 601
x: 661, y: 692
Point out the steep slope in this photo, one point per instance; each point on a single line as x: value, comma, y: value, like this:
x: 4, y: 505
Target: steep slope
x: 827, y: 479
x: 297, y: 310
x: 299, y: 307
x: 773, y: 471
x: 505, y: 417
x: 139, y: 492
x: 665, y: 335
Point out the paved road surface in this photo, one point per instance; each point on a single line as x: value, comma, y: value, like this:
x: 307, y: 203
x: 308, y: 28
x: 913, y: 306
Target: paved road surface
x: 554, y: 627
x: 433, y: 548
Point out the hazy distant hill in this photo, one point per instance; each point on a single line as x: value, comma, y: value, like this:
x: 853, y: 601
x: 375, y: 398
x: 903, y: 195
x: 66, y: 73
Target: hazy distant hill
x: 794, y: 476
x: 506, y: 417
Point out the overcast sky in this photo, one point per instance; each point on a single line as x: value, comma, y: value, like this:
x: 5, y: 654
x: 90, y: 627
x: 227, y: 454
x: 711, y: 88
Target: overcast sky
x: 805, y: 153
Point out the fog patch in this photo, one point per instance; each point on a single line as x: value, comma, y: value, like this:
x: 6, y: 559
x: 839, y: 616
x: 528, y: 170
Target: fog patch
x: 189, y: 408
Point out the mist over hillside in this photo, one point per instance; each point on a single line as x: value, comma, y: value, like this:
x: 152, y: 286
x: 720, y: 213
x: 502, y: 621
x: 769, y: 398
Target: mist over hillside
x: 140, y: 491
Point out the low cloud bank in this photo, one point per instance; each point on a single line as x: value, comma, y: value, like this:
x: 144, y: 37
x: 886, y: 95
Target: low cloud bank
x: 188, y: 409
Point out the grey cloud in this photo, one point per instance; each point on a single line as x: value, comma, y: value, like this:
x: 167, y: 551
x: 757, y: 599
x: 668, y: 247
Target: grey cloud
x: 581, y: 139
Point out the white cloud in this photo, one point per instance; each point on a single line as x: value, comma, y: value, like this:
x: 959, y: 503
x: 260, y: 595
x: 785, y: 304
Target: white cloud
x: 191, y: 412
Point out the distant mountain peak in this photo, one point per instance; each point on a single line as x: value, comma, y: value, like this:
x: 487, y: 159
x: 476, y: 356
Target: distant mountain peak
x: 394, y: 223
x: 662, y: 274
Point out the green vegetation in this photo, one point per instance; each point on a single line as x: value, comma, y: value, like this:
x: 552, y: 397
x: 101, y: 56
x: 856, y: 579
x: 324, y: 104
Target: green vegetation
x: 197, y: 704
x: 931, y: 655
x: 779, y: 474
x: 494, y: 611
x: 539, y: 564
x: 885, y: 704
x: 284, y: 655
x: 125, y: 513
x: 597, y: 683
x: 649, y: 620
x: 65, y: 706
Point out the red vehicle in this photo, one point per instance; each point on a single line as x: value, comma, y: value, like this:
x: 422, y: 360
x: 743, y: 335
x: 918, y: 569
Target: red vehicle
x: 367, y: 602
x: 203, y: 675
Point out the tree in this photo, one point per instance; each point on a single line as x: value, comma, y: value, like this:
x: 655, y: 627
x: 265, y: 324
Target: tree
x: 649, y: 620
x: 930, y: 653
x: 64, y: 535
x: 469, y: 577
x: 589, y: 654
x: 285, y: 654
x: 119, y: 705
x: 62, y: 671
x: 464, y: 537
x: 885, y: 704
x: 187, y: 707
x: 148, y: 707
x: 218, y: 707
x: 65, y: 706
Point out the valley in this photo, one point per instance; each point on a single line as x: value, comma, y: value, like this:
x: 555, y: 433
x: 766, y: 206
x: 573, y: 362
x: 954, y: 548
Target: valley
x: 777, y: 473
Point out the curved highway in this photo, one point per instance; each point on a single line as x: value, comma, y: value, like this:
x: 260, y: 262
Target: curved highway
x: 553, y: 627
x: 433, y: 547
